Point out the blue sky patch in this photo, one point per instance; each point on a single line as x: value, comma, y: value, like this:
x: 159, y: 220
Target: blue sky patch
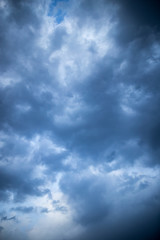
x: 60, y: 13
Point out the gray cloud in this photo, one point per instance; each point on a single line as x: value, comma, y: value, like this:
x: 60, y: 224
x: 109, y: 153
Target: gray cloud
x: 1, y: 228
x: 80, y: 113
x: 88, y: 198
x: 23, y: 209
x: 44, y: 210
x: 13, y: 182
x: 5, y: 218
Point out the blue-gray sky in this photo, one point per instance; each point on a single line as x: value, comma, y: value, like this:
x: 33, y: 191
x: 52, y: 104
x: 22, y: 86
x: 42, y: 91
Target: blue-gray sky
x: 79, y: 120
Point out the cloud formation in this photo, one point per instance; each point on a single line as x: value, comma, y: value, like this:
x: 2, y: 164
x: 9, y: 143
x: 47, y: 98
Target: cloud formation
x: 79, y: 137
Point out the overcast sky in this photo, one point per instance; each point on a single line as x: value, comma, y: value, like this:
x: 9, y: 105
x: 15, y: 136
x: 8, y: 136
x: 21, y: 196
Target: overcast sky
x: 79, y: 120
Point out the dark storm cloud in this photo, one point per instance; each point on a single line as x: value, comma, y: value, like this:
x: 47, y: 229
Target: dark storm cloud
x: 107, y: 126
x: 16, y: 18
x: 24, y: 121
x: 100, y: 127
x: 95, y: 208
x: 106, y: 119
x: 87, y: 196
x: 116, y: 124
x: 18, y: 43
x: 144, y: 12
x: 145, y: 226
x: 20, y: 184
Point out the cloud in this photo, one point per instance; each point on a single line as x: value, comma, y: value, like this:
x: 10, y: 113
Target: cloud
x: 1, y: 228
x: 79, y: 139
x: 23, y: 209
x: 13, y: 182
x: 44, y: 210
x: 8, y: 218
x: 88, y: 198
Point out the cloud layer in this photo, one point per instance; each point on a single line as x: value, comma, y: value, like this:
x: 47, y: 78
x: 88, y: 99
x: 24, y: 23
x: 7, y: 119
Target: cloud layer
x: 80, y: 130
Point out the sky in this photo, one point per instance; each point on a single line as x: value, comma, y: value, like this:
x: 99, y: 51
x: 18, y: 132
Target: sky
x: 79, y: 120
